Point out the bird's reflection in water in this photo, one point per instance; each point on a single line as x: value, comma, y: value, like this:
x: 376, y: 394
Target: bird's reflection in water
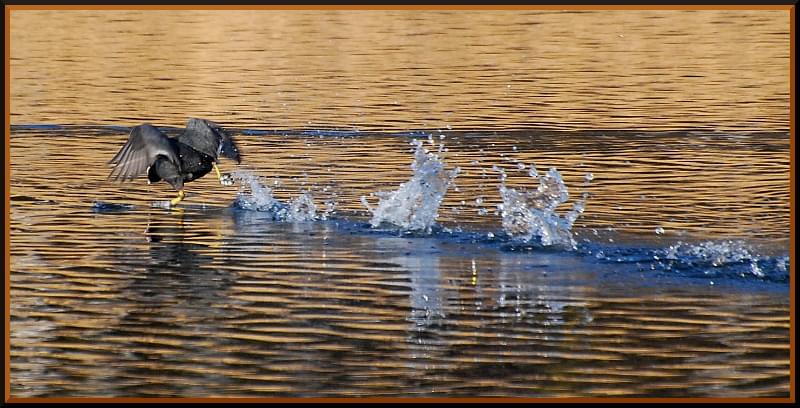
x: 179, y: 264
x: 177, y: 303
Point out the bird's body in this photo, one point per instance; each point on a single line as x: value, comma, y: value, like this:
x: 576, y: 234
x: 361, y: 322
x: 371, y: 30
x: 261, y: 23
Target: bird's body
x: 191, y: 166
x: 177, y: 160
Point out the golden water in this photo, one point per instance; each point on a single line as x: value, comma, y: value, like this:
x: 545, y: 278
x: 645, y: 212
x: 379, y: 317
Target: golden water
x: 682, y: 117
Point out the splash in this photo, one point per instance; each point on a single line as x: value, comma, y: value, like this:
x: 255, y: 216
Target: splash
x: 714, y: 254
x: 104, y: 207
x: 415, y: 205
x: 302, y: 208
x: 531, y: 215
x: 707, y: 259
x: 254, y: 195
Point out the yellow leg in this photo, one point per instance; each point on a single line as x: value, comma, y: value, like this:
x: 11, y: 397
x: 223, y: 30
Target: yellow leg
x: 177, y: 199
x: 219, y: 175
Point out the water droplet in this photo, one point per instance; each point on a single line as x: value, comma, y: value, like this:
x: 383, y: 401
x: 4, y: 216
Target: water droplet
x: 755, y: 269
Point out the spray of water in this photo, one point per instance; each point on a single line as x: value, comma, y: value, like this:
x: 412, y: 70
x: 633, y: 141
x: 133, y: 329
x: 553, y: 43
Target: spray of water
x: 415, y: 205
x: 255, y: 195
x: 713, y: 254
x: 530, y: 216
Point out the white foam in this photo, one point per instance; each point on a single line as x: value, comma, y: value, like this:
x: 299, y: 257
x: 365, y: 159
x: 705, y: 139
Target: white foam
x: 254, y: 195
x: 414, y: 206
x: 531, y: 215
x: 716, y: 254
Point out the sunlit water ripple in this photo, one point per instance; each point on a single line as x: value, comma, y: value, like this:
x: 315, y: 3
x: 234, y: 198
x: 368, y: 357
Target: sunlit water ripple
x: 647, y: 257
x: 115, y: 297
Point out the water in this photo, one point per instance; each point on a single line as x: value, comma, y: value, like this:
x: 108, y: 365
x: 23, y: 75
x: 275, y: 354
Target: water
x: 415, y: 205
x: 529, y: 215
x: 543, y: 217
x: 255, y: 196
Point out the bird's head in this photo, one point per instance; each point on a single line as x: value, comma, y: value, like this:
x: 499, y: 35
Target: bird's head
x: 224, y: 146
x: 228, y: 149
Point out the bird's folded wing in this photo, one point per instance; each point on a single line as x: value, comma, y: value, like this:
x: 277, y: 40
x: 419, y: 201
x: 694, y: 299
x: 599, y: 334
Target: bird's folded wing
x: 144, y: 145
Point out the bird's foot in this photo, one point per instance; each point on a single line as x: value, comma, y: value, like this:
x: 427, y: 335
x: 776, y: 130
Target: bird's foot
x: 227, y: 179
x: 176, y: 200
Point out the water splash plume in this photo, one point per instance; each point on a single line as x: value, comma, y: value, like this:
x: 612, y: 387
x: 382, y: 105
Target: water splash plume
x: 254, y: 195
x: 415, y: 205
x: 531, y: 215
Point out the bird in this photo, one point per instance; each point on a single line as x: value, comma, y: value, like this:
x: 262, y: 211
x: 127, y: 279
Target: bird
x: 175, y: 160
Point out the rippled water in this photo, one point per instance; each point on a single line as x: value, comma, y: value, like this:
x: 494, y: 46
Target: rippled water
x: 402, y: 70
x: 675, y: 283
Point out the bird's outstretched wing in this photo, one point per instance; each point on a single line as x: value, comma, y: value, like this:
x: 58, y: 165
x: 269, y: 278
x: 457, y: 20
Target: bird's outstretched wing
x: 145, y: 144
x: 210, y: 139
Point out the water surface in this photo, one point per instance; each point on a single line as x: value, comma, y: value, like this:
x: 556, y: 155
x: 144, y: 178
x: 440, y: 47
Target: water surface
x: 404, y: 69
x: 671, y: 126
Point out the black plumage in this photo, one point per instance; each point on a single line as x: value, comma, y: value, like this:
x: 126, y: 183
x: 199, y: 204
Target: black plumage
x: 191, y: 155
